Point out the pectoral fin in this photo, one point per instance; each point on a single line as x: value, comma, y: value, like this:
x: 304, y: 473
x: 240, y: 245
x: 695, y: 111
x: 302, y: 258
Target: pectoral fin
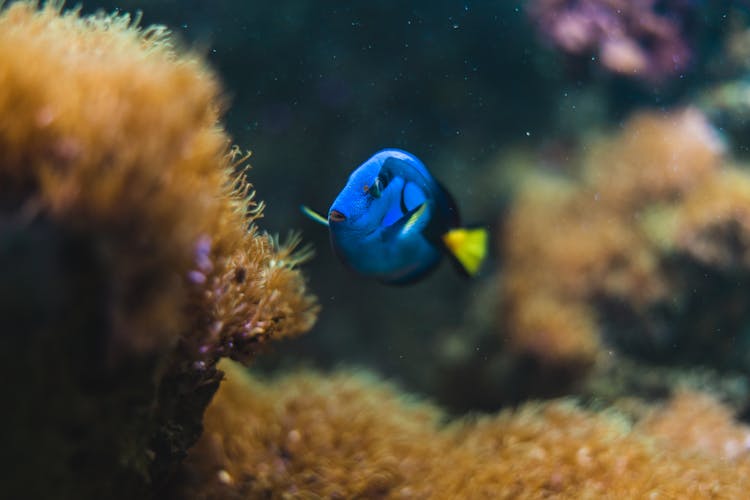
x: 407, y: 222
x: 313, y: 215
x: 412, y: 217
x: 468, y: 247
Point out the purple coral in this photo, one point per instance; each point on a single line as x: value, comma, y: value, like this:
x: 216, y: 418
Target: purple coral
x: 639, y: 38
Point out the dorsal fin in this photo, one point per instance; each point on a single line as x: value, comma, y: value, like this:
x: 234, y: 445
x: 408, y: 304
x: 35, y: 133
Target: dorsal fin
x: 407, y: 170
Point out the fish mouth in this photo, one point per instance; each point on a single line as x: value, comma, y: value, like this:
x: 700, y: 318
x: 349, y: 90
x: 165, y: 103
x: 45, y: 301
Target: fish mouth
x: 336, y: 216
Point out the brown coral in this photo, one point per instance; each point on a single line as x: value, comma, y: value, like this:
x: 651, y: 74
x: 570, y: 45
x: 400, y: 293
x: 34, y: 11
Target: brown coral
x: 617, y: 257
x: 308, y: 436
x: 131, y: 262
x: 713, y: 226
x: 695, y: 421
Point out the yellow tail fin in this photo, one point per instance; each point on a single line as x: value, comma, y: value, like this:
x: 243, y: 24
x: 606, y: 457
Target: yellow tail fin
x: 468, y: 246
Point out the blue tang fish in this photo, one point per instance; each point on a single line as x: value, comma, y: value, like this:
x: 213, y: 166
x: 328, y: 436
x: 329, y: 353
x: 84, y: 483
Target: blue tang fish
x: 393, y: 222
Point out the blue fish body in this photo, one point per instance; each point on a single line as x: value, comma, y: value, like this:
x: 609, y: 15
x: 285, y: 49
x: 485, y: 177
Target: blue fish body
x: 389, y: 220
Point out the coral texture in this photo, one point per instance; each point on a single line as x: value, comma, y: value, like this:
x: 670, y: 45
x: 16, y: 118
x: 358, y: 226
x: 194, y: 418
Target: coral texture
x: 697, y: 422
x: 130, y: 261
x: 343, y: 436
x: 643, y: 252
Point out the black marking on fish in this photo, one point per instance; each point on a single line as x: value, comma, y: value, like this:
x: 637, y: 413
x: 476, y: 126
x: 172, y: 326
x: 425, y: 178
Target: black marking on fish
x: 404, y: 209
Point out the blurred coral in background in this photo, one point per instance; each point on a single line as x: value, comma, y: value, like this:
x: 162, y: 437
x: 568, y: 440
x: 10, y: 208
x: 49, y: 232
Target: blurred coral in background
x: 644, y: 250
x: 642, y: 39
